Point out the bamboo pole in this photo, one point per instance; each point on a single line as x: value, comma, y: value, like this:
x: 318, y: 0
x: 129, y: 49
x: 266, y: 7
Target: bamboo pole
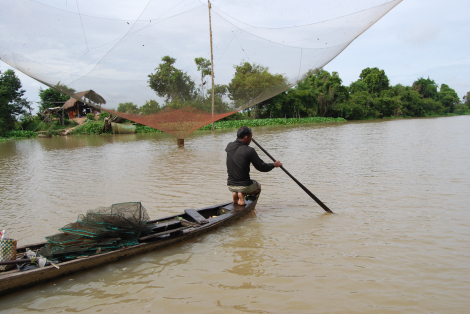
x: 316, y: 199
x: 212, y: 62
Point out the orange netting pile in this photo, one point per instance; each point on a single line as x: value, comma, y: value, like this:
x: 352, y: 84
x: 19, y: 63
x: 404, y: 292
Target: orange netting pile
x: 177, y: 122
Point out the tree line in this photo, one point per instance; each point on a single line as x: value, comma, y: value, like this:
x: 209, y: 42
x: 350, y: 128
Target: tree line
x: 371, y: 96
x: 321, y: 94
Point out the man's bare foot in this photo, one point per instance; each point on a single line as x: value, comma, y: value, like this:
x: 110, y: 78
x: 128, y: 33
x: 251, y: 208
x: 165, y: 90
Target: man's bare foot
x: 235, y: 197
x: 241, y: 199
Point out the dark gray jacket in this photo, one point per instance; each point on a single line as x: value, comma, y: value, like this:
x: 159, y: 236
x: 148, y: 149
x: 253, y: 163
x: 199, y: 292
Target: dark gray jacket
x: 239, y: 157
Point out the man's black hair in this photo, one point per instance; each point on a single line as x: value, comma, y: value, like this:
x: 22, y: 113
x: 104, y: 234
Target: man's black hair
x: 243, y: 131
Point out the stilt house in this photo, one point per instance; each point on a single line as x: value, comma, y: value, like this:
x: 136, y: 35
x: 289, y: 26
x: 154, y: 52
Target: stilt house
x: 77, y: 108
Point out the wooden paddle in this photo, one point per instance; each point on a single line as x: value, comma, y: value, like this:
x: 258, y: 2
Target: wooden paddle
x: 296, y: 181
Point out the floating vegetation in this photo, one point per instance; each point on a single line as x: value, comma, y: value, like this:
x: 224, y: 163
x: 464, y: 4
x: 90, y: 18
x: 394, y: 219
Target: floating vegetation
x: 268, y: 122
x: 139, y: 128
x: 18, y: 135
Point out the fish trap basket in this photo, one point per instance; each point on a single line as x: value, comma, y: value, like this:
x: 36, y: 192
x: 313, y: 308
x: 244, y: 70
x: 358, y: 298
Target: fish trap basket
x: 99, y: 230
x: 7, y: 253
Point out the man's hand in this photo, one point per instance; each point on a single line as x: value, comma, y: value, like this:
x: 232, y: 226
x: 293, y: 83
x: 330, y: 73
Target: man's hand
x: 277, y: 164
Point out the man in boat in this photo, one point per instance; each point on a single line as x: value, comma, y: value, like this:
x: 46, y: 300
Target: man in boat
x: 239, y: 157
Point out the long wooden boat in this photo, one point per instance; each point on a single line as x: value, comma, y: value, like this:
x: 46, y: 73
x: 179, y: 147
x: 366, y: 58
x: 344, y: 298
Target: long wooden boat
x: 164, y: 233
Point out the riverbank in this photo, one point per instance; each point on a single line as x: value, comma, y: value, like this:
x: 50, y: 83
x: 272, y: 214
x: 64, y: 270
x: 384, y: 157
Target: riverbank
x: 96, y: 127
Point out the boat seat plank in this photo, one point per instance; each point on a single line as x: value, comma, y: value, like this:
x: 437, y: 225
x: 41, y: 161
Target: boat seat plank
x: 194, y: 214
x: 156, y: 235
x: 166, y: 225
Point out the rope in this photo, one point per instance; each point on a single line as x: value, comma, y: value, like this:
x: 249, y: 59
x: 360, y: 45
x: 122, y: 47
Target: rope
x: 40, y: 124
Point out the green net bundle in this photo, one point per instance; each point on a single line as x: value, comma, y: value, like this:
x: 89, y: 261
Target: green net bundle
x: 100, y: 230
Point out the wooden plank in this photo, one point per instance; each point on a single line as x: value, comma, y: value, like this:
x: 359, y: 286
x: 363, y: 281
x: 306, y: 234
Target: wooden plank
x: 156, y: 235
x: 194, y: 214
x: 166, y: 225
x: 199, y: 210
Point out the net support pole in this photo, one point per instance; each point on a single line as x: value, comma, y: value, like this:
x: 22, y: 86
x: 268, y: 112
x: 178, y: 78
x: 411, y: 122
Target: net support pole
x: 212, y: 62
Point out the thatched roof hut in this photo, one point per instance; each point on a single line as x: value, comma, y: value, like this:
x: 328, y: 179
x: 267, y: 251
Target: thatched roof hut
x: 76, y: 107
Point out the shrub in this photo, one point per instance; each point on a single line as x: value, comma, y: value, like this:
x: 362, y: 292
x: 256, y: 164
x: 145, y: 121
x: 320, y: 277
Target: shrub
x: 90, y: 117
x: 139, y: 128
x: 462, y: 109
x: 103, y: 115
x: 89, y: 128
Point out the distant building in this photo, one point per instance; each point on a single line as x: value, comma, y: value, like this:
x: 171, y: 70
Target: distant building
x: 76, y: 108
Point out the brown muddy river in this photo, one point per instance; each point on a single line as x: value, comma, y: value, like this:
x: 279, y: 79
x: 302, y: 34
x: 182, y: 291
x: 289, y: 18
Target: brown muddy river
x: 398, y: 243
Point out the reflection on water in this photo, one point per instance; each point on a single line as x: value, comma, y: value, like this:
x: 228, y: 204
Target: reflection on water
x: 400, y: 241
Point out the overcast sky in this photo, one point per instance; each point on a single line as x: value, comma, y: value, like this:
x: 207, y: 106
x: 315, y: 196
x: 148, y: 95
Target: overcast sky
x: 418, y: 38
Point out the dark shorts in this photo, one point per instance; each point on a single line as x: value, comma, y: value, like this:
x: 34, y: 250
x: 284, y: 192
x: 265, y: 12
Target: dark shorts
x: 244, y: 189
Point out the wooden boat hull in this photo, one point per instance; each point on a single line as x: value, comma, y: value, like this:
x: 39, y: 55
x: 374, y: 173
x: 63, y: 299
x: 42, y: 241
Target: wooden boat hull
x: 14, y: 280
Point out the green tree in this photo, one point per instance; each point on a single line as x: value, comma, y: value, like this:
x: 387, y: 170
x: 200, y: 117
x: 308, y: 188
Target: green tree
x: 432, y: 107
x: 316, y: 95
x: 427, y: 88
x: 252, y: 83
x: 411, y: 104
x: 64, y: 89
x: 328, y: 90
x: 171, y: 83
x: 150, y: 107
x: 127, y: 107
x: 375, y: 80
x: 204, y: 66
x: 220, y: 105
x: 359, y: 105
x: 358, y: 86
x: 448, y: 97
x: 466, y: 99
x: 12, y: 103
x: 388, y: 104
x: 51, y: 97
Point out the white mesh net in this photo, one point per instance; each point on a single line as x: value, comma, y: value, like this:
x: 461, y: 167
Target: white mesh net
x: 118, y: 48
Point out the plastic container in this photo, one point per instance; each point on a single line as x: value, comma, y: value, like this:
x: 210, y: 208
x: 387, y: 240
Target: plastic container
x: 4, y: 236
x: 42, y: 261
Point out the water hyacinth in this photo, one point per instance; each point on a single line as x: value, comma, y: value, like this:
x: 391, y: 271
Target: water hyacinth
x: 269, y: 122
x: 18, y: 135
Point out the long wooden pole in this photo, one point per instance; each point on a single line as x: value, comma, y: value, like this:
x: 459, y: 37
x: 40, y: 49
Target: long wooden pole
x: 296, y: 181
x: 212, y: 63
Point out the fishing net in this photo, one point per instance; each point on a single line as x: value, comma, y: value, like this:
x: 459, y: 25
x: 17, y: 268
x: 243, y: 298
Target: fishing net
x: 150, y: 59
x: 100, y: 230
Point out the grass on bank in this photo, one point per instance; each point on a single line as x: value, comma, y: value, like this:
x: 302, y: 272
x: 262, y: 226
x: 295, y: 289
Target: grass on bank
x: 12, y: 135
